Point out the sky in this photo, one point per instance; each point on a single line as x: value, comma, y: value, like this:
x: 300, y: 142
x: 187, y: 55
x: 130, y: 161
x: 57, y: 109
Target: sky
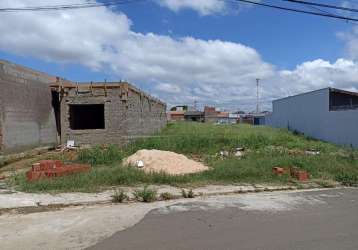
x: 181, y: 51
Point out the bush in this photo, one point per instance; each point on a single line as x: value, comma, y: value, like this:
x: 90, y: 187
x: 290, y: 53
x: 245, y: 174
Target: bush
x: 189, y: 194
x: 348, y: 179
x: 145, y: 195
x: 119, y: 196
x: 100, y: 155
x: 166, y: 196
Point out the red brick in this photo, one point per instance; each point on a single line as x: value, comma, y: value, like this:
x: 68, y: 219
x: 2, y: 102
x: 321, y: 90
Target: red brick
x: 54, y: 168
x: 301, y: 175
x: 279, y: 170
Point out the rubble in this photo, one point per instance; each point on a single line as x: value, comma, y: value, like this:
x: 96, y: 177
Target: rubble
x: 299, y: 174
x: 312, y: 152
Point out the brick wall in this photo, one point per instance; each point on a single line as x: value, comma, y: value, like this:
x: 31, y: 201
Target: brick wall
x: 26, y: 115
x: 129, y: 113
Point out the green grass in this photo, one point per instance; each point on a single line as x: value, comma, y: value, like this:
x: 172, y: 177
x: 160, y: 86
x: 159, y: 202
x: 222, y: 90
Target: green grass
x: 100, y: 155
x: 265, y: 148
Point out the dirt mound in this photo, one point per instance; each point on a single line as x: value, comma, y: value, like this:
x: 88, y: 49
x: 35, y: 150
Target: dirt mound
x: 169, y: 162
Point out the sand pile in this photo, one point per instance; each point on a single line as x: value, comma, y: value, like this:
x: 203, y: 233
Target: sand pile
x: 169, y: 162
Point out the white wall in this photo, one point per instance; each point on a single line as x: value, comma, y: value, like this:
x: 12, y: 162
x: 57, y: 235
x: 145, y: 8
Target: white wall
x: 309, y: 114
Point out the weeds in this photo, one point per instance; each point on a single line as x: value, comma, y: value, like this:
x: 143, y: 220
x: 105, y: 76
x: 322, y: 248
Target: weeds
x: 348, y: 179
x: 326, y: 183
x: 189, y: 194
x: 119, y: 196
x: 166, y: 196
x: 145, y: 195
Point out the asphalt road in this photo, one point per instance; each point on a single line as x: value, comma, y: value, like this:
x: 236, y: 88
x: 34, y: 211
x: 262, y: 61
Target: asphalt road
x: 307, y: 220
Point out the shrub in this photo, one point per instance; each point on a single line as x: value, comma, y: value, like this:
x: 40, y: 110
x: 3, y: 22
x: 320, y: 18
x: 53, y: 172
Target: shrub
x: 119, y: 196
x: 189, y: 194
x: 166, y: 196
x: 145, y: 195
x: 184, y: 193
x: 348, y: 179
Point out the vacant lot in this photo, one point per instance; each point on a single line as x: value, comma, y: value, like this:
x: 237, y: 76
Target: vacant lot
x: 264, y: 148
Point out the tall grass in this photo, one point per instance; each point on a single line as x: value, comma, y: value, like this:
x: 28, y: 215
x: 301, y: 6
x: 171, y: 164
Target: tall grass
x: 265, y: 148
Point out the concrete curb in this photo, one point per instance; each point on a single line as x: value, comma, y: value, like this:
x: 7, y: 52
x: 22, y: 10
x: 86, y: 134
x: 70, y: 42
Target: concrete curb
x: 42, y: 205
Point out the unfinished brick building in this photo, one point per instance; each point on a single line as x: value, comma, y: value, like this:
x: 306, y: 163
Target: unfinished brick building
x: 37, y: 109
x: 91, y: 113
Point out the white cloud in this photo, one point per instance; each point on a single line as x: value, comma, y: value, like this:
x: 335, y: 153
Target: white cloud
x: 177, y: 70
x: 320, y: 74
x: 351, y: 40
x: 168, y: 88
x: 204, y: 7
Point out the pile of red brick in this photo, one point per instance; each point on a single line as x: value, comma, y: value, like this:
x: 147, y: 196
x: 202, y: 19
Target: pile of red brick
x: 54, y: 168
x: 301, y: 175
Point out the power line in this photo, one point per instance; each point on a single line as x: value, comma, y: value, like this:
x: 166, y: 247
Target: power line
x: 69, y: 6
x: 320, y: 10
x: 322, y: 5
x: 298, y: 10
x: 116, y: 3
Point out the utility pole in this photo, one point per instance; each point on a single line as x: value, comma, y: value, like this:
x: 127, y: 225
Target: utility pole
x: 257, y: 95
x: 195, y: 104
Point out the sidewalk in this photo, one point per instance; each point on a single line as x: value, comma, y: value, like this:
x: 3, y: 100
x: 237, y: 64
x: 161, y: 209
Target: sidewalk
x: 10, y: 199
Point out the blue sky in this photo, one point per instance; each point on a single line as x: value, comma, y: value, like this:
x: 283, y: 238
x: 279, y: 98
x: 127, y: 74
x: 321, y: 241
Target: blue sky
x: 281, y: 48
x: 282, y: 38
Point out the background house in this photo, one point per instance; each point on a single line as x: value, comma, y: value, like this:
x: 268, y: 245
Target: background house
x: 328, y: 114
x: 194, y: 116
x: 175, y: 115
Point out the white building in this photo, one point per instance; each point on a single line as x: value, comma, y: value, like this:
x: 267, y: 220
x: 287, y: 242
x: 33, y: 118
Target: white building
x: 328, y: 114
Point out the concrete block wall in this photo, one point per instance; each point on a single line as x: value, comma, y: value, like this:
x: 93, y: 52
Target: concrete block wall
x: 26, y: 114
x: 309, y: 113
x: 129, y: 113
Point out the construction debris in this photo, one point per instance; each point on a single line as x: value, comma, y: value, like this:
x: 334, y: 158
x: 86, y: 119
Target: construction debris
x: 54, y: 168
x: 239, y: 152
x: 312, y: 152
x: 279, y: 171
x: 139, y: 164
x: 223, y: 154
x: 299, y: 174
x: 164, y: 161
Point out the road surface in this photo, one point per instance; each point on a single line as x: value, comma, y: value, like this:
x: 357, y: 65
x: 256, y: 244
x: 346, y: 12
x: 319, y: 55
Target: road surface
x: 314, y: 220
